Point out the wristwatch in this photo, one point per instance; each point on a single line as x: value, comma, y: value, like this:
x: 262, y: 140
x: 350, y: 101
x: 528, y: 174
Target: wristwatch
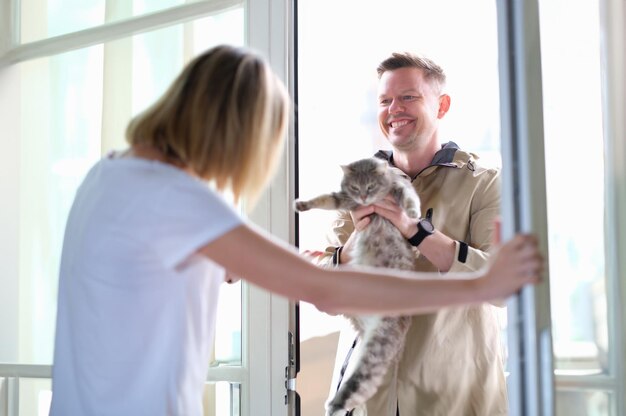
x: 424, y: 229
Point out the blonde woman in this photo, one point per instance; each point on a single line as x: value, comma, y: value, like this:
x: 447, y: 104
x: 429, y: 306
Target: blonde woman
x: 148, y: 244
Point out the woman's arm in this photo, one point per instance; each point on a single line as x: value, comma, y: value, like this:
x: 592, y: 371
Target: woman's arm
x: 275, y: 266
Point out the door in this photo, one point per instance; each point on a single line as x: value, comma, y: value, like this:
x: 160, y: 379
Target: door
x: 337, y: 58
x: 531, y: 92
x: 548, y: 48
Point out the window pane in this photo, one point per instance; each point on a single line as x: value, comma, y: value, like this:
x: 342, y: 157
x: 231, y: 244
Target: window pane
x: 66, y: 107
x: 584, y: 403
x: 34, y: 396
x: 222, y: 399
x: 575, y: 167
x: 42, y: 19
x: 61, y: 110
x: 228, y: 326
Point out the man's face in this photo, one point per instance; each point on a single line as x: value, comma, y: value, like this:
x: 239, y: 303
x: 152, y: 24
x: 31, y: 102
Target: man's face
x: 409, y: 108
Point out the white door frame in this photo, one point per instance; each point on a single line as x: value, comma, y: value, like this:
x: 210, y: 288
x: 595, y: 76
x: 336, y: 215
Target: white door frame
x: 270, y: 317
x: 531, y: 379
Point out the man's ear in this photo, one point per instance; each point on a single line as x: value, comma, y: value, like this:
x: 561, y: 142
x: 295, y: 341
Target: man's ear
x: 444, y: 105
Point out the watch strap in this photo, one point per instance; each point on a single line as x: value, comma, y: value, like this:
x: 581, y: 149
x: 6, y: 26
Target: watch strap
x: 337, y: 255
x: 463, y: 250
x: 419, y: 236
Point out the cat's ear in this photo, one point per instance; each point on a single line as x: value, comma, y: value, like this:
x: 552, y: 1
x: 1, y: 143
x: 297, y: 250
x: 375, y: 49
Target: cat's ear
x: 346, y: 169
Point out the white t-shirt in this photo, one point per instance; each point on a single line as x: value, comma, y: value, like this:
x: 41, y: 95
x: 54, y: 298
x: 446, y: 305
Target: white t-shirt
x: 136, y: 310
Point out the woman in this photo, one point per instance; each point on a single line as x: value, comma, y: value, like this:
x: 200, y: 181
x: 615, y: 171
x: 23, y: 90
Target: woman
x: 148, y: 243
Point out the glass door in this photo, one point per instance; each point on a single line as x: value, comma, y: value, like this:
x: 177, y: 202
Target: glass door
x: 338, y: 53
x: 542, y: 65
x: 526, y: 81
x: 586, y: 356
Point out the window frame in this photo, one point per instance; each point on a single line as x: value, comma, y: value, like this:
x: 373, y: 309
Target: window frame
x: 613, y: 58
x: 265, y: 317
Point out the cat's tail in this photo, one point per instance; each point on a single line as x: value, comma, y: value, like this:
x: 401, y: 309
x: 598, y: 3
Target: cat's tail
x: 381, y: 348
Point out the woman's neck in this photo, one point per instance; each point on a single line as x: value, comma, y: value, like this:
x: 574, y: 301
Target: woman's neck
x: 149, y: 152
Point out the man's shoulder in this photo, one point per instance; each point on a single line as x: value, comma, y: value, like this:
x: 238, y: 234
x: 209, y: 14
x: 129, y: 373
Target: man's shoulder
x: 469, y: 176
x: 472, y: 162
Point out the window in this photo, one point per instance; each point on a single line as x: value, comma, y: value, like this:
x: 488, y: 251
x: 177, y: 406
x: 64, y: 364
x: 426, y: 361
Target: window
x: 43, y: 19
x: 68, y: 109
x: 585, y: 369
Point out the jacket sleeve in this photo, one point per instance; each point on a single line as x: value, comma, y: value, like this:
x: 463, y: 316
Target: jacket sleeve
x: 472, y: 254
x: 341, y: 229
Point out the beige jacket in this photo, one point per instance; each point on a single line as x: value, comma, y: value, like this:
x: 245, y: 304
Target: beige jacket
x: 452, y: 362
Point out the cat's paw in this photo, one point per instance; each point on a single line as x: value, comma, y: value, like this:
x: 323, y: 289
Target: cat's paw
x: 359, y: 411
x: 333, y: 411
x: 300, y: 205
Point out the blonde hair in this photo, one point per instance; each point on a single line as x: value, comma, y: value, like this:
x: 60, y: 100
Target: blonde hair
x: 224, y: 117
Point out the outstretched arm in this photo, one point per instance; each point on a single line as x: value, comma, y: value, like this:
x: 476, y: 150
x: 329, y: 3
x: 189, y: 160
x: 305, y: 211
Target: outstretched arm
x: 277, y: 267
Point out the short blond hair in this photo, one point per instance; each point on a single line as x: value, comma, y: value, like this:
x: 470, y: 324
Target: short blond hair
x: 224, y: 117
x: 432, y: 71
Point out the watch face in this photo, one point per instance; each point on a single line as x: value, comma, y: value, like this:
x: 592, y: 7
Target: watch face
x: 427, y: 225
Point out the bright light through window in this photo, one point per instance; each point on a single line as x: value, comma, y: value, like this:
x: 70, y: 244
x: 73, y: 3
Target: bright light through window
x: 575, y: 185
x: 73, y: 109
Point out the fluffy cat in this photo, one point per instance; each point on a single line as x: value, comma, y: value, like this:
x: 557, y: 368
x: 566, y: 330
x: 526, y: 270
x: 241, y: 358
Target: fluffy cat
x: 381, y: 244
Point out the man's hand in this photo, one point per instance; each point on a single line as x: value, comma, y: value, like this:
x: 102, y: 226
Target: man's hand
x: 388, y: 208
x: 438, y: 248
x: 360, y: 219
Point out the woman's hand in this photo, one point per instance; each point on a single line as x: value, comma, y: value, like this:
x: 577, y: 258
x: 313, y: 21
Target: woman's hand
x: 514, y: 264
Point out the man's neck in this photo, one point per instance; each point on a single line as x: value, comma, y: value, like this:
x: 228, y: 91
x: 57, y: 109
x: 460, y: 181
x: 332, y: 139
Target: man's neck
x: 414, y: 161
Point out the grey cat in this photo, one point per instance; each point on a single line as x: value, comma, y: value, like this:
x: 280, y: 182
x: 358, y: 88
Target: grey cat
x: 380, y: 244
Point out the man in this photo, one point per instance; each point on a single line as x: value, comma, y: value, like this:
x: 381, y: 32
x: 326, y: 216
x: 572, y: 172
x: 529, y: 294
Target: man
x: 452, y: 363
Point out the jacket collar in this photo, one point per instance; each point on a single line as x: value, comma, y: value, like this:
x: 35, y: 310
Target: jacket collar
x: 446, y: 156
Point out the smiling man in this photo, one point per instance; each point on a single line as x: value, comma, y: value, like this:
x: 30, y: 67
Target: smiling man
x: 452, y: 361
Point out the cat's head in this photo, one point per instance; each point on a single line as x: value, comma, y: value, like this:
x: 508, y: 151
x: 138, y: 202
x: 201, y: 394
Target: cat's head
x: 366, y: 181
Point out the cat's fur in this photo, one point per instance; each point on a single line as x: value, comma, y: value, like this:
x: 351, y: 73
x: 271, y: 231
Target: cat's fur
x: 380, y: 244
